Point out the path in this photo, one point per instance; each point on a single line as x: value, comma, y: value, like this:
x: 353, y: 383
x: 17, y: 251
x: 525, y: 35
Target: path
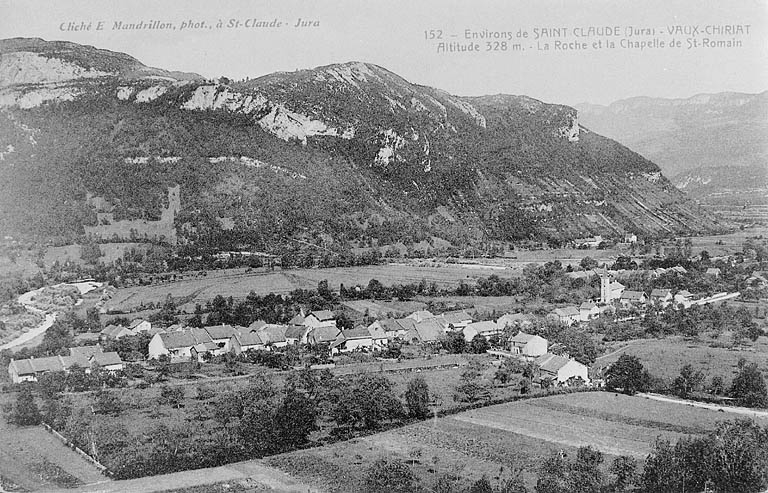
x: 620, y: 350
x: 255, y: 470
x: 26, y: 301
x: 714, y: 407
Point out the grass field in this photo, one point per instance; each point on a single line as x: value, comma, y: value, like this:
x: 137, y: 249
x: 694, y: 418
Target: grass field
x: 664, y: 357
x: 34, y: 459
x: 237, y: 283
x: 496, y: 440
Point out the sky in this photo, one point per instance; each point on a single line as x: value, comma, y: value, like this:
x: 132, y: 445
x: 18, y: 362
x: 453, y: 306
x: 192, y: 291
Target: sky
x: 402, y: 36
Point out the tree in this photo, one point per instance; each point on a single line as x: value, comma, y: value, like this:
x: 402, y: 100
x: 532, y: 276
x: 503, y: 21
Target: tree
x: 108, y: 403
x: 390, y: 476
x: 454, y: 342
x: 479, y: 344
x: 627, y: 374
x: 171, y: 396
x: 417, y: 398
x: 625, y: 470
x: 688, y: 381
x: 588, y: 263
x: 368, y: 400
x: 25, y: 411
x: 749, y: 385
x: 294, y: 419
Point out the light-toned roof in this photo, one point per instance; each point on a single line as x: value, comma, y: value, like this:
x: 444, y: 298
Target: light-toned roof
x: 323, y: 315
x: 567, y: 311
x: 107, y: 359
x: 272, y: 333
x: 660, y: 293
x: 184, y: 338
x: 297, y: 320
x: 551, y: 362
x: 136, y: 323
x: 248, y: 338
x: 632, y: 295
x: 456, y: 317
x: 81, y: 355
x: 295, y: 332
x: 356, y: 333
x: 323, y: 334
x: 523, y: 338
x: 377, y: 332
x: 483, y: 327
x: 261, y: 323
x: 587, y: 305
x: 429, y: 330
x: 220, y: 331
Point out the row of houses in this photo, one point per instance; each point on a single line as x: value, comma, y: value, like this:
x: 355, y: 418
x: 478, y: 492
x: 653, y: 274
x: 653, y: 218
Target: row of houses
x: 87, y: 357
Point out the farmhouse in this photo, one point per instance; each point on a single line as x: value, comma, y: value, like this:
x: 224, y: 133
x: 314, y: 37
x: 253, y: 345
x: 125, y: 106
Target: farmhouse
x: 567, y: 315
x: 273, y: 335
x: 322, y: 318
x: 456, y: 320
x: 178, y: 345
x: 221, y: 335
x: 528, y: 344
x: 114, y: 332
x: 420, y: 316
x: 323, y: 335
x: 296, y: 334
x: 353, y: 340
x: 486, y: 329
x: 87, y: 357
x: 244, y: 341
x: 394, y: 327
x: 379, y: 336
x: 429, y: 330
x: 561, y: 369
x: 140, y: 325
x: 661, y: 296
x: 588, y: 311
x: 629, y: 298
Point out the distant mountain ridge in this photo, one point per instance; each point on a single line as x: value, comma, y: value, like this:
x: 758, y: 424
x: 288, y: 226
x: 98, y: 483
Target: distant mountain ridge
x: 703, y: 131
x: 338, y: 154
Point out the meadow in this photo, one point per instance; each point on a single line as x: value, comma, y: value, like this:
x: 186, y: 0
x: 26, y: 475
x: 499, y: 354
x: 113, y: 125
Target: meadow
x: 503, y: 440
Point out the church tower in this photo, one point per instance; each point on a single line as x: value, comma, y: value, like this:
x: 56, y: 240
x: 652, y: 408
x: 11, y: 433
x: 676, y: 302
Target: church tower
x: 605, y: 289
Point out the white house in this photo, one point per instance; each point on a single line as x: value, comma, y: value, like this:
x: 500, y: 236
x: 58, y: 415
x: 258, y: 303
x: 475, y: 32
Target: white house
x: 178, y: 345
x: 420, y: 316
x: 661, y: 296
x: 561, y: 369
x: 296, y: 334
x: 528, y: 345
x: 394, y: 327
x: 114, y: 332
x: 568, y: 315
x: 222, y: 334
x: 379, y: 337
x: 353, y: 340
x: 140, y: 325
x: 273, y: 335
x: 455, y: 320
x: 244, y: 341
x: 588, y: 311
x: 86, y: 357
x: 322, y: 318
x: 629, y: 298
x: 486, y: 329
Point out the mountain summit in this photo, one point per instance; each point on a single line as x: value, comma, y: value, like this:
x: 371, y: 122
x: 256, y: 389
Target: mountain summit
x: 344, y: 153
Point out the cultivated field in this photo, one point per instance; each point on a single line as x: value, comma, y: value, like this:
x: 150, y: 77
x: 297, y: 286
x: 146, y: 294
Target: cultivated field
x: 727, y: 244
x: 238, y: 283
x: 496, y: 440
x: 664, y: 357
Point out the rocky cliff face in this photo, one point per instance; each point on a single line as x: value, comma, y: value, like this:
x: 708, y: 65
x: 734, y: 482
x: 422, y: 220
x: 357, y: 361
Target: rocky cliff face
x: 350, y: 151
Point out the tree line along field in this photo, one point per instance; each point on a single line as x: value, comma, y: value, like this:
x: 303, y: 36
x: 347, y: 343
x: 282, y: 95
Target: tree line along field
x: 501, y: 440
x: 665, y: 357
x: 239, y: 284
